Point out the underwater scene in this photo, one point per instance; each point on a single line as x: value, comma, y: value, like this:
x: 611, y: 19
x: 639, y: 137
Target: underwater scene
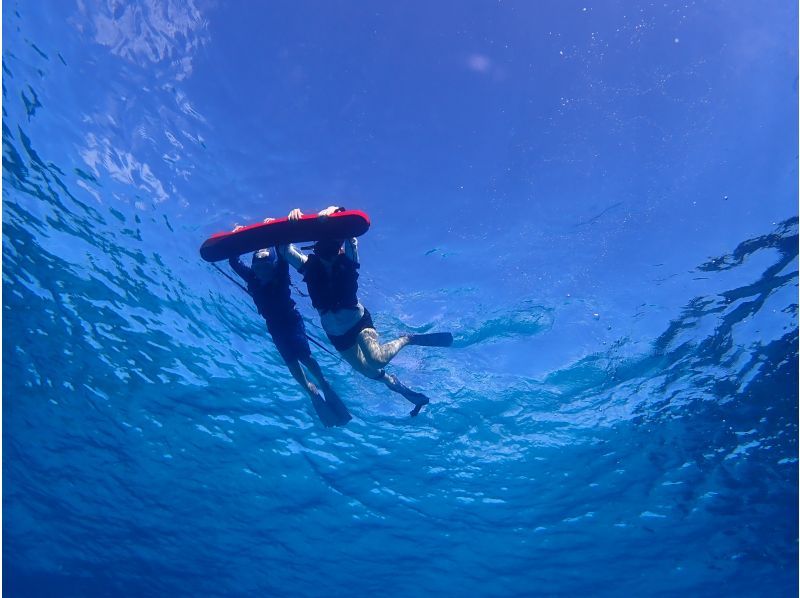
x: 580, y: 275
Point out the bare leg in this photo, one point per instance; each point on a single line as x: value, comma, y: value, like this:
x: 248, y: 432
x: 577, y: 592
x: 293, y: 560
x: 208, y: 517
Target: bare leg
x: 417, y: 398
x: 299, y: 375
x: 355, y: 357
x: 316, y: 371
x: 331, y: 398
x: 376, y: 353
x: 324, y: 412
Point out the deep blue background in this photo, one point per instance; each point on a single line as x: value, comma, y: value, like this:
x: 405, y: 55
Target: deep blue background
x: 599, y: 200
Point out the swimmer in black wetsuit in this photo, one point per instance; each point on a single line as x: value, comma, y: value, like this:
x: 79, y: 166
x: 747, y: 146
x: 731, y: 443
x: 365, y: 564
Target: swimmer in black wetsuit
x: 331, y: 274
x: 268, y: 284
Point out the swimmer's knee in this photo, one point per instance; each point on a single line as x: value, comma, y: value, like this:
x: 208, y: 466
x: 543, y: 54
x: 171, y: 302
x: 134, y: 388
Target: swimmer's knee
x: 374, y: 354
x: 370, y: 333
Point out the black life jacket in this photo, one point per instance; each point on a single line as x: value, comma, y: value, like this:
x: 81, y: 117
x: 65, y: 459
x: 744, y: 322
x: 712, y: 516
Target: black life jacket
x: 273, y: 299
x: 334, y: 290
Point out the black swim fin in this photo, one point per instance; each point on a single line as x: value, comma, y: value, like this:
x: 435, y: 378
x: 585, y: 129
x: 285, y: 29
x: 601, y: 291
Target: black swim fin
x: 433, y: 339
x: 324, y: 411
x: 419, y: 399
x: 418, y: 406
x: 338, y: 408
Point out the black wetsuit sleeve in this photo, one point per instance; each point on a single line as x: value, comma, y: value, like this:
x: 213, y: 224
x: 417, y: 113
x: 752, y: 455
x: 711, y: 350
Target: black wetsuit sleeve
x: 243, y: 271
x: 351, y: 250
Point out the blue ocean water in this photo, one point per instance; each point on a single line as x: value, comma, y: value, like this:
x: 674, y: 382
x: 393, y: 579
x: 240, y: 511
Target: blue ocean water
x: 599, y: 200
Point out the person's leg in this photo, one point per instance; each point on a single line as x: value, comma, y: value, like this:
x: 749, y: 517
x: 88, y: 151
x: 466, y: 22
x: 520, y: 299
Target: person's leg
x: 377, y: 353
x: 355, y: 358
x: 324, y: 411
x: 312, y: 366
x: 331, y: 398
x: 299, y: 375
x: 417, y: 398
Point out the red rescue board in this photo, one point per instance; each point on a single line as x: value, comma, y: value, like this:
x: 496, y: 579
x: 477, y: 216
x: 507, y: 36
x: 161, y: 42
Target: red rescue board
x: 341, y: 225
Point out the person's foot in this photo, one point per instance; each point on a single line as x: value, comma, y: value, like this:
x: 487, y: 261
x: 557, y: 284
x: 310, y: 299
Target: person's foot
x: 417, y: 398
x: 418, y: 404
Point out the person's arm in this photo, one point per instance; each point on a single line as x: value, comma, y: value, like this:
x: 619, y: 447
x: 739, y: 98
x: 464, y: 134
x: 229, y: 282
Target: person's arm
x: 330, y: 210
x: 297, y: 259
x: 291, y: 254
x: 245, y: 272
x: 236, y: 264
x: 351, y: 250
x: 296, y: 214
